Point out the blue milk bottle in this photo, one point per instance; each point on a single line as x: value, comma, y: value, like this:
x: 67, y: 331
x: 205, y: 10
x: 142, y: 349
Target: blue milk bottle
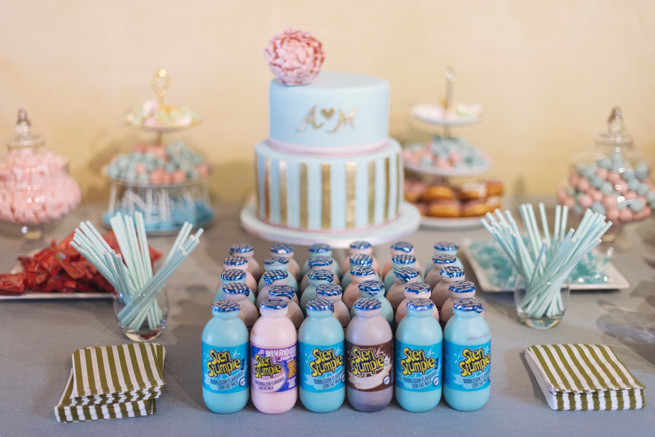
x: 319, y: 263
x: 225, y: 359
x: 375, y: 289
x: 315, y: 278
x: 230, y: 277
x: 320, y: 249
x: 467, y: 357
x: 418, y: 358
x: 445, y: 248
x: 398, y: 261
x: 321, y: 359
x: 357, y: 260
x: 277, y: 263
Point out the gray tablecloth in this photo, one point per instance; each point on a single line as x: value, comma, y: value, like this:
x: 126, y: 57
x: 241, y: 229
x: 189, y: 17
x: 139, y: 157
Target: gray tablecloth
x: 38, y: 337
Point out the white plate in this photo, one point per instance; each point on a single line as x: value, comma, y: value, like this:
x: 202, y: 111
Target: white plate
x: 406, y: 223
x: 437, y: 171
x: 433, y: 114
x: 451, y: 223
x: 616, y: 280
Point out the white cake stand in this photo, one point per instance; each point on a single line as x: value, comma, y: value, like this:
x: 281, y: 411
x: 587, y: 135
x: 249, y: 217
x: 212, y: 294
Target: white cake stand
x: 407, y: 222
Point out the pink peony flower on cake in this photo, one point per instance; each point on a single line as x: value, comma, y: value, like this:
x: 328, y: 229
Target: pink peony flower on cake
x: 295, y: 57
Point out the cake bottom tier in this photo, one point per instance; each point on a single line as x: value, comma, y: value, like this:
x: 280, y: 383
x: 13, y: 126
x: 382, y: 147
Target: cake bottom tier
x: 319, y: 193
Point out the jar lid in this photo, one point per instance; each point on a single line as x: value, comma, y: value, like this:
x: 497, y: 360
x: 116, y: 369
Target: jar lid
x: 320, y: 305
x: 406, y: 273
x: 328, y: 290
x: 462, y: 287
x: 282, y: 289
x: 273, y: 304
x: 452, y: 272
x: 318, y: 248
x: 241, y: 248
x: 372, y: 287
x: 367, y: 304
x: 445, y: 245
x: 235, y: 260
x: 236, y: 288
x: 225, y: 306
x: 402, y: 246
x: 418, y: 287
x: 419, y: 304
x: 468, y: 304
x: 24, y: 136
x: 361, y: 271
x: 271, y: 276
x: 616, y: 134
x: 360, y: 244
x: 321, y: 275
x: 361, y: 259
x: 281, y: 292
x: 320, y: 261
x: 282, y: 249
x: 272, y: 260
x: 403, y: 258
x: 443, y: 259
x: 233, y: 275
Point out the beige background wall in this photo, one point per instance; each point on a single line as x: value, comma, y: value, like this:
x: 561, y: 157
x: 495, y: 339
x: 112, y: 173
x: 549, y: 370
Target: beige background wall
x: 546, y: 72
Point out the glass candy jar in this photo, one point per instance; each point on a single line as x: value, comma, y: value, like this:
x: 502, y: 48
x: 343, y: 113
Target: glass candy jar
x: 35, y: 186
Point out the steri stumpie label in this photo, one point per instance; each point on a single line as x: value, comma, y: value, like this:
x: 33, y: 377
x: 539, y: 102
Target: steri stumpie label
x: 369, y: 367
x: 418, y: 368
x: 322, y: 368
x: 468, y: 367
x: 224, y: 369
x: 273, y: 370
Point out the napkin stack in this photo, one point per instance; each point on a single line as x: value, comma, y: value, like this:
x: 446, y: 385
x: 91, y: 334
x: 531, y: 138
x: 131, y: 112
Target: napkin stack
x: 584, y: 377
x: 112, y: 382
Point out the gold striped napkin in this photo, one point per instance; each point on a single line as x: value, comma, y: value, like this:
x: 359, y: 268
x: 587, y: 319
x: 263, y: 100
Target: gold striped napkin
x: 584, y: 377
x: 112, y: 382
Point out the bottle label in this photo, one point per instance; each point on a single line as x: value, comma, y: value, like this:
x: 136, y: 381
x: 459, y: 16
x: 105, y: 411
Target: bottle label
x: 273, y: 370
x: 370, y: 367
x: 418, y: 368
x: 224, y: 369
x: 321, y: 367
x: 467, y: 367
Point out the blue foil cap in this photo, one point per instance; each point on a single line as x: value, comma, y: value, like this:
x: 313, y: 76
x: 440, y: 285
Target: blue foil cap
x: 271, y: 276
x: 271, y: 260
x: 452, y: 272
x: 320, y: 305
x: 445, y: 245
x: 367, y: 304
x: 281, y: 249
x: 241, y: 248
x: 328, y: 290
x: 236, y: 288
x: 403, y: 246
x: 320, y: 261
x: 462, y: 287
x: 468, y: 304
x: 235, y: 260
x: 403, y: 259
x: 273, y: 304
x: 360, y: 245
x: 320, y: 275
x: 444, y: 260
x: 420, y: 304
x: 360, y: 272
x: 320, y: 248
x: 372, y: 287
x: 361, y: 259
x: 282, y: 289
x: 282, y: 292
x: 406, y: 273
x: 233, y: 275
x: 225, y: 306
x: 418, y: 287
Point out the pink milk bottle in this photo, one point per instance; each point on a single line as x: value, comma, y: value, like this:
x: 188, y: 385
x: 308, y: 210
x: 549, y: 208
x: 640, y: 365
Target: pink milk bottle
x: 320, y: 263
x: 238, y: 291
x: 247, y: 251
x: 438, y: 262
x: 271, y: 278
x: 414, y: 290
x: 458, y: 290
x: 273, y: 363
x: 332, y: 292
x: 241, y: 263
x: 398, y: 248
x: 286, y: 293
x: 360, y: 247
x: 286, y: 251
x: 402, y: 277
x: 357, y: 276
x: 440, y: 291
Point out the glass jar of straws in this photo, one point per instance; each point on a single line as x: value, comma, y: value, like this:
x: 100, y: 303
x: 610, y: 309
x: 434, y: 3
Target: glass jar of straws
x: 153, y: 323
x: 539, y: 313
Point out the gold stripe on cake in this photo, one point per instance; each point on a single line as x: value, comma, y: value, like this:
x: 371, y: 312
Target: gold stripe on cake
x: 326, y: 209
x: 399, y: 182
x: 283, y: 192
x: 304, y: 199
x: 267, y: 187
x: 351, y: 206
x: 257, y: 178
x: 387, y: 182
x: 371, y: 192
